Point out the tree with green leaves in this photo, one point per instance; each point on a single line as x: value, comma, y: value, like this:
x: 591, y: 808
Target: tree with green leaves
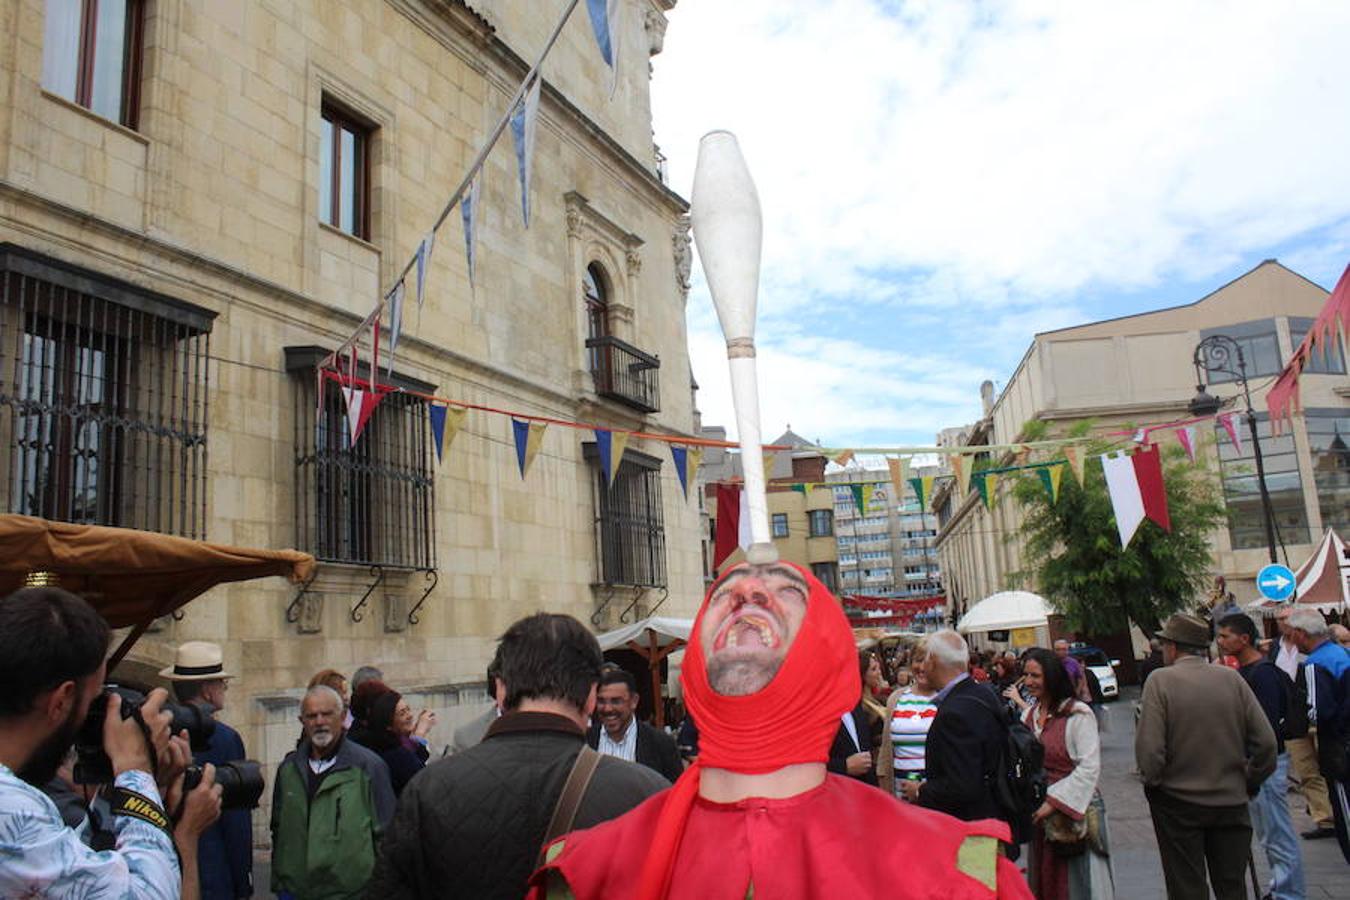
x: 1072, y: 554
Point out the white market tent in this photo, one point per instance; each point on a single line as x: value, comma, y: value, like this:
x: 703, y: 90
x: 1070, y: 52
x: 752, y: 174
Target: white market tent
x: 666, y: 631
x: 653, y: 638
x: 1005, y: 610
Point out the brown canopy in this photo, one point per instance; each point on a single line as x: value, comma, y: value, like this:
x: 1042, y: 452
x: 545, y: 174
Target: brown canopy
x: 131, y: 577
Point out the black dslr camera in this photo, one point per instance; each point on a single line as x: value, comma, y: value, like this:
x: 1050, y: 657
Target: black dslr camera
x: 241, y: 780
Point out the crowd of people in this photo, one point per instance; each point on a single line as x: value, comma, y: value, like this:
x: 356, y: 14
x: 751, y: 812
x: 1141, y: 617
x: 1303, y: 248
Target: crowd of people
x: 805, y: 767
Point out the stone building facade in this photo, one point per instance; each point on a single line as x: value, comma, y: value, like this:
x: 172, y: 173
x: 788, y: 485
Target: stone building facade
x: 199, y: 200
x: 1137, y: 370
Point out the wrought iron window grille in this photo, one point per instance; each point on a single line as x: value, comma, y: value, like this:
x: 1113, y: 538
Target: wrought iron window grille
x: 104, y: 391
x: 630, y: 525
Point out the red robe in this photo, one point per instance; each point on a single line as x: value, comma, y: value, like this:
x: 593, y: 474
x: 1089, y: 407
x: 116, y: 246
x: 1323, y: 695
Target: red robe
x: 842, y: 839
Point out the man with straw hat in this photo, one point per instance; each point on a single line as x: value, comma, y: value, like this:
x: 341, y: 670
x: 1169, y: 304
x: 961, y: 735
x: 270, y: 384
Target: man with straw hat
x: 225, y: 851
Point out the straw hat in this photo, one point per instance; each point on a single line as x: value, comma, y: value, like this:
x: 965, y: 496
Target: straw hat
x: 196, y: 661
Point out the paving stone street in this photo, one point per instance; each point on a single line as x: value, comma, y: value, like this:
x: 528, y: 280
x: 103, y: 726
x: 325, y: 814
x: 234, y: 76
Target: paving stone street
x: 1135, y: 859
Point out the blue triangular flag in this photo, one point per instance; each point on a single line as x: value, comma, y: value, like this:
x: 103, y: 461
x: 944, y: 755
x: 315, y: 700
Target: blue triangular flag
x: 395, y: 321
x: 681, y: 457
x: 468, y: 211
x: 523, y: 122
x: 437, y: 414
x: 423, y: 261
x: 603, y: 443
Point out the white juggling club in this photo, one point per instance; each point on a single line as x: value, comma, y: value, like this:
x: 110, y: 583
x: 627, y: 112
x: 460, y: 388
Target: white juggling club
x: 728, y: 231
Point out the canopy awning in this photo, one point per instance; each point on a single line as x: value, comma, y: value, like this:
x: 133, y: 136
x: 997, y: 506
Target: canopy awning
x: 132, y: 577
x: 667, y: 631
x: 1323, y: 580
x: 1005, y: 610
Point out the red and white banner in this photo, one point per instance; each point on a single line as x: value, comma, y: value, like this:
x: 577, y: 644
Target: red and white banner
x: 1135, y: 484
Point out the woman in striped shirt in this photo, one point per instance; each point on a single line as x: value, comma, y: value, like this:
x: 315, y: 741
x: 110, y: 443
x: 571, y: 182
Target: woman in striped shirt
x: 910, y: 713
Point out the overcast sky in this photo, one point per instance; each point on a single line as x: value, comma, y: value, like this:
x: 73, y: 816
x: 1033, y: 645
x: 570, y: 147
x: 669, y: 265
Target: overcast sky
x: 941, y: 180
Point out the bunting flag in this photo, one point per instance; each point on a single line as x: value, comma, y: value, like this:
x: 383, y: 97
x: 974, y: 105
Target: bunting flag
x: 360, y: 405
x: 524, y: 124
x: 528, y: 437
x: 770, y: 457
x: 468, y: 213
x: 987, y: 484
x: 605, y: 24
x: 1076, y: 462
x: 375, y: 353
x: 610, y: 444
x: 1135, y: 484
x: 899, y: 475
x: 445, y: 423
x: 423, y: 263
x: 1229, y: 423
x: 1331, y: 329
x: 859, y: 492
x: 923, y: 489
x: 843, y: 459
x: 729, y: 508
x: 687, y: 461
x: 962, y: 471
x: 349, y: 384
x: 1186, y: 437
x: 395, y: 322
x: 1140, y: 436
x: 1050, y: 477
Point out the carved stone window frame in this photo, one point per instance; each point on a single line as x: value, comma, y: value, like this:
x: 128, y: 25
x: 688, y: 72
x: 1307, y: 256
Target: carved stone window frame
x: 594, y: 238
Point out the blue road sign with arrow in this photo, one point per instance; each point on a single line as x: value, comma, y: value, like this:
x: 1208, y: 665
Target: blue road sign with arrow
x: 1275, y: 582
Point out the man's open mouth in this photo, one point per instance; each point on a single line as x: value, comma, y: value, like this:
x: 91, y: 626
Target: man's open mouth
x: 748, y: 630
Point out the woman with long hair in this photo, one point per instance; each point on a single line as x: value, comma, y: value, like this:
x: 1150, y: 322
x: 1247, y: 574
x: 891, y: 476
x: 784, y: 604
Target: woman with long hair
x: 869, y: 668
x: 909, y: 714
x: 1070, y: 857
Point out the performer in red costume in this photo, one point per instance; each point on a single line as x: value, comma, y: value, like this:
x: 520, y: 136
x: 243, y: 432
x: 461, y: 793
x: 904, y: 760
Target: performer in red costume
x: 770, y: 670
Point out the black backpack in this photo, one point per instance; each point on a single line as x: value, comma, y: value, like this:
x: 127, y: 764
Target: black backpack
x: 1018, y: 779
x: 1295, y: 722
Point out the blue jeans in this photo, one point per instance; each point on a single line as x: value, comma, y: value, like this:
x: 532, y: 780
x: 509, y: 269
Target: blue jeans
x: 1275, y: 830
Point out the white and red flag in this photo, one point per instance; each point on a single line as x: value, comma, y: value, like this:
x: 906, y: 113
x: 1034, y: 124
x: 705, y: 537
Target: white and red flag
x: 1135, y: 484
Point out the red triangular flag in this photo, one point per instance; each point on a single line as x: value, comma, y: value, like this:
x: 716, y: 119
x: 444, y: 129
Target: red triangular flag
x: 727, y: 539
x: 1186, y: 435
x: 360, y: 405
x: 1148, y: 472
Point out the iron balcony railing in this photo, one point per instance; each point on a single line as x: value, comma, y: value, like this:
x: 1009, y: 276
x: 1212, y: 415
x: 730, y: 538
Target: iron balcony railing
x: 624, y: 373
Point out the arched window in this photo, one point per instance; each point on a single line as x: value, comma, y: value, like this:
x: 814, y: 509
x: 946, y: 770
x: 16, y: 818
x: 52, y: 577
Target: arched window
x: 594, y: 286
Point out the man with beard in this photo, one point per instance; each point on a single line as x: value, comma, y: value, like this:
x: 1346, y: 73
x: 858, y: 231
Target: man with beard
x: 770, y: 670
x: 52, y: 651
x: 331, y: 802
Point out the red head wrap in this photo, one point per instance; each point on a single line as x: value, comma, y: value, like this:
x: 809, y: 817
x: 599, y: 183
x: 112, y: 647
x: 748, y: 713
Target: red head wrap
x: 793, y: 719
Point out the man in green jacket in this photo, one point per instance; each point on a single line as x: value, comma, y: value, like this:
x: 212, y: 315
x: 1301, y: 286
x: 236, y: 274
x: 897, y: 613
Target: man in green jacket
x: 330, y: 802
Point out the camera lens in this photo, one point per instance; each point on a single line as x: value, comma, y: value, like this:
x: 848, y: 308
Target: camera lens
x: 241, y: 783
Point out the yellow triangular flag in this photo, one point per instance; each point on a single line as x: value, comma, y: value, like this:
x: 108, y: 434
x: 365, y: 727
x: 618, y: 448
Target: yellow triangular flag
x: 618, y: 440
x: 693, y: 458
x: 1056, y: 475
x: 770, y: 456
x: 843, y: 459
x: 962, y: 468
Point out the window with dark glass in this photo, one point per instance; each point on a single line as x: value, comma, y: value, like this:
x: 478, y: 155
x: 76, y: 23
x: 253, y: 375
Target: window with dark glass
x: 630, y: 523
x: 780, y: 525
x: 1329, y: 445
x: 91, y: 55
x: 371, y: 502
x: 820, y: 522
x: 344, y: 172
x: 1260, y: 345
x: 1326, y: 358
x: 103, y: 398
x: 827, y: 573
x: 1242, y: 492
x: 595, y: 294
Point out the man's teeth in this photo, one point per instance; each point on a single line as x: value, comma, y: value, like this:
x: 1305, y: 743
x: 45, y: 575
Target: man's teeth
x: 766, y: 637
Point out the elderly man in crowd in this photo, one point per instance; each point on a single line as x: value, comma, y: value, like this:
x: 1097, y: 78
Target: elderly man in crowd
x: 1303, y: 749
x: 331, y: 802
x: 1327, y: 677
x: 1203, y: 747
x: 770, y: 670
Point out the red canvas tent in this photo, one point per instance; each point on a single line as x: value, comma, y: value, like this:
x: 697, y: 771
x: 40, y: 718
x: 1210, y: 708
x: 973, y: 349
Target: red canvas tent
x: 1323, y: 579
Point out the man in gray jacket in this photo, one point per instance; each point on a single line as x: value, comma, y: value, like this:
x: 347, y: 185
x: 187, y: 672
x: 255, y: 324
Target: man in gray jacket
x: 1203, y: 747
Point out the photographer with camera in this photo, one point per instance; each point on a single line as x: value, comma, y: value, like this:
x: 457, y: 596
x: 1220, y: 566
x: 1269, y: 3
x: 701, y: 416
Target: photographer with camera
x: 53, y: 647
x: 225, y: 852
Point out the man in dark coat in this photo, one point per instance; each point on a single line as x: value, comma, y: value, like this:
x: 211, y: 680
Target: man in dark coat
x: 225, y: 850
x: 965, y: 740
x: 473, y: 824
x: 615, y: 730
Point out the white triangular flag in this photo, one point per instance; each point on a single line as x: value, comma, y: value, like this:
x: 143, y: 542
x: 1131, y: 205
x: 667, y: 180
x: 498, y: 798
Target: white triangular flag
x: 395, y: 321
x: 1126, y: 499
x: 423, y: 264
x: 468, y: 213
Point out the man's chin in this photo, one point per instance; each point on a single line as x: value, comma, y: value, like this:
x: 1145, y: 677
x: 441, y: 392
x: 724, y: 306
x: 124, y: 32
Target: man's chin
x: 734, y: 674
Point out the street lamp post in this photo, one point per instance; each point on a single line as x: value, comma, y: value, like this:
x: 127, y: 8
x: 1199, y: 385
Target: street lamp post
x: 1216, y: 353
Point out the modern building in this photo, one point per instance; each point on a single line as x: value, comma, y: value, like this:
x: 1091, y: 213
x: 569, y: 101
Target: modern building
x: 1137, y: 370
x: 889, y: 550
x: 200, y: 200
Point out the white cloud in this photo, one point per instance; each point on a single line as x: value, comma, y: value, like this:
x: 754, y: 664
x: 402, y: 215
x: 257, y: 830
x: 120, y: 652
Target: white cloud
x: 986, y: 168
